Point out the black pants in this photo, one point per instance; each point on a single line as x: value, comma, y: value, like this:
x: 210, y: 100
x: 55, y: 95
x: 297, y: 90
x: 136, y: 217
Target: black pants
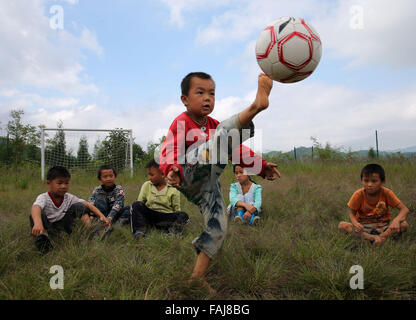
x: 142, y: 217
x: 66, y: 223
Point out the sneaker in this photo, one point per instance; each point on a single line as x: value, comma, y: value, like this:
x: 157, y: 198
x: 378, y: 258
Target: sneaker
x: 139, y: 235
x: 238, y: 219
x: 43, y: 243
x: 255, y: 220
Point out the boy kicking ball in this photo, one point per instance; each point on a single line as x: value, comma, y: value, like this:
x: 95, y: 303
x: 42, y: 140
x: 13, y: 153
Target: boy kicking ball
x: 370, y: 209
x: 188, y: 159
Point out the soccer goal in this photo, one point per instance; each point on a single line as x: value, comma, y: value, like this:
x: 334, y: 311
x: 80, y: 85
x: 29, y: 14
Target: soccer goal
x: 84, y: 150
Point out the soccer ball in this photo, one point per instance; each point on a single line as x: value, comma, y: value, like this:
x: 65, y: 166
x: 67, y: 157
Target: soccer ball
x: 288, y: 50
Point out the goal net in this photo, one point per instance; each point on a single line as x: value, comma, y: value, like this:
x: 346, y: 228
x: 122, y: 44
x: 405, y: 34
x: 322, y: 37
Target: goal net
x: 84, y: 150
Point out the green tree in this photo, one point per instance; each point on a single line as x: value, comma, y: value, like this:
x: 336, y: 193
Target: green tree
x: 371, y: 153
x: 114, y: 150
x: 55, y: 152
x: 24, y: 138
x: 83, y: 156
x: 327, y: 152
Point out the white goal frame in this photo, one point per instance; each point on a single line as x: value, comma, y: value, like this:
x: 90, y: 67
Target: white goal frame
x: 42, y: 161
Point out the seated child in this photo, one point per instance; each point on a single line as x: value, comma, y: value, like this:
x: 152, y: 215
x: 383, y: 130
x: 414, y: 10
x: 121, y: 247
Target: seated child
x: 158, y: 205
x: 57, y: 210
x: 245, y: 198
x: 109, y: 197
x: 370, y: 208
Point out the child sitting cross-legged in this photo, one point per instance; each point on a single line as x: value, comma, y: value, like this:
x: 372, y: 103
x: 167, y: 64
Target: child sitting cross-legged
x: 245, y: 198
x: 109, y: 197
x: 57, y: 210
x: 369, y: 209
x: 158, y: 205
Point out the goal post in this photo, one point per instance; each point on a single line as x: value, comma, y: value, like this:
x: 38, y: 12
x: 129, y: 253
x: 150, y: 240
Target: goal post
x: 87, y: 149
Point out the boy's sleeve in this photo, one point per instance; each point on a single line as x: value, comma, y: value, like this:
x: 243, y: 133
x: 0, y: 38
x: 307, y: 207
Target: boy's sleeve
x: 91, y: 199
x: 257, y: 197
x: 40, y: 201
x: 143, y: 191
x: 118, y: 203
x: 233, y: 194
x: 173, y: 148
x: 176, y: 201
x: 251, y: 161
x: 392, y: 199
x: 355, y: 201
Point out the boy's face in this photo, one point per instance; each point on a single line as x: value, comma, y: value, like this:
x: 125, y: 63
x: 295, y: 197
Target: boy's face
x: 107, y: 177
x: 200, y: 100
x: 372, y: 183
x: 58, y: 186
x: 155, y: 176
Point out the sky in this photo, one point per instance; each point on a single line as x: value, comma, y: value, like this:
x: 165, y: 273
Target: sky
x: 102, y: 64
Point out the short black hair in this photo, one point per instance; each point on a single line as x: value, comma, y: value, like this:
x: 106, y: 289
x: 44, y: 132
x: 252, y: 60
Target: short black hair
x: 186, y: 82
x: 105, y: 167
x: 152, y: 164
x: 57, y: 172
x: 371, y: 168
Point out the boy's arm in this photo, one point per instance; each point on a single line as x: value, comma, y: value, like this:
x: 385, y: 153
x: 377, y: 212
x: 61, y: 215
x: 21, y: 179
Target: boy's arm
x: 394, y: 226
x: 38, y: 227
x: 357, y: 226
x: 255, y: 164
x: 176, y: 201
x: 173, y: 148
x: 142, y: 193
x: 91, y: 199
x: 97, y: 212
x: 118, y: 204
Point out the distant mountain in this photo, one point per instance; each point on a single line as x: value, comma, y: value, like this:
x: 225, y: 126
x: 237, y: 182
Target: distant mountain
x: 304, y: 152
x: 404, y: 150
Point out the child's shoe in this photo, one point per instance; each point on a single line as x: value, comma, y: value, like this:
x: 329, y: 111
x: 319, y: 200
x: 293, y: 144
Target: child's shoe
x: 239, y: 217
x: 43, y: 243
x: 139, y: 235
x: 254, y: 220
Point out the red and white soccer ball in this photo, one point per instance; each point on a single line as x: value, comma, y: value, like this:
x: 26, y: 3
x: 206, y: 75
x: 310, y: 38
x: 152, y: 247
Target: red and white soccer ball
x: 288, y: 50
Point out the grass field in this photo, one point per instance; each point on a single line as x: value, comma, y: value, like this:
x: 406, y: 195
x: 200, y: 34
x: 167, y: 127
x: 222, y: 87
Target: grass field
x: 295, y: 253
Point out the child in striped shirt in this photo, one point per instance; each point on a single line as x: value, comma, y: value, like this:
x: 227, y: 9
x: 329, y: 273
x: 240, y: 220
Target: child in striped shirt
x: 57, y: 210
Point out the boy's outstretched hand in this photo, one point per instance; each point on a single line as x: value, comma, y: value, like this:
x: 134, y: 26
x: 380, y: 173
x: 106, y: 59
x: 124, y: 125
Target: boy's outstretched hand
x: 173, y: 177
x: 270, y: 171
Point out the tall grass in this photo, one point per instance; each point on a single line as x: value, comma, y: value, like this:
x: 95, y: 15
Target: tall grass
x: 295, y: 253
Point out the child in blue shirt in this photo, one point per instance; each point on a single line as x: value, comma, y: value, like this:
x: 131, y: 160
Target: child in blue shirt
x: 245, y: 198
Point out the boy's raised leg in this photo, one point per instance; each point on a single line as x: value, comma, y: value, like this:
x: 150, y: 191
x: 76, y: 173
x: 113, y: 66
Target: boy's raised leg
x: 265, y: 85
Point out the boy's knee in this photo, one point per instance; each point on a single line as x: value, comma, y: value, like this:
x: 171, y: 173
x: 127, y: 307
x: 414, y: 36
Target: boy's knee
x: 183, y: 217
x: 137, y: 205
x: 404, y: 226
x: 344, y: 226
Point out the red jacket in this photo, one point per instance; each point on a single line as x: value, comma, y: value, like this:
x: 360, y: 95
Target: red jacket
x: 179, y: 139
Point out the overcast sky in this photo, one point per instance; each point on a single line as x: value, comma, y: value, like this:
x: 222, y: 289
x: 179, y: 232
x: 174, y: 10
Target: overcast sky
x: 118, y: 64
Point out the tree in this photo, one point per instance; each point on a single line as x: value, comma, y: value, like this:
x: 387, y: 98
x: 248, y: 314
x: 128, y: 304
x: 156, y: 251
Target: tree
x: 371, y: 153
x: 83, y: 157
x: 138, y: 153
x: 55, y: 151
x: 114, y: 149
x: 24, y: 139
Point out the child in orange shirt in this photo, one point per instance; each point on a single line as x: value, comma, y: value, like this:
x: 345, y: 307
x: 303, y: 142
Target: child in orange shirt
x: 369, y: 208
